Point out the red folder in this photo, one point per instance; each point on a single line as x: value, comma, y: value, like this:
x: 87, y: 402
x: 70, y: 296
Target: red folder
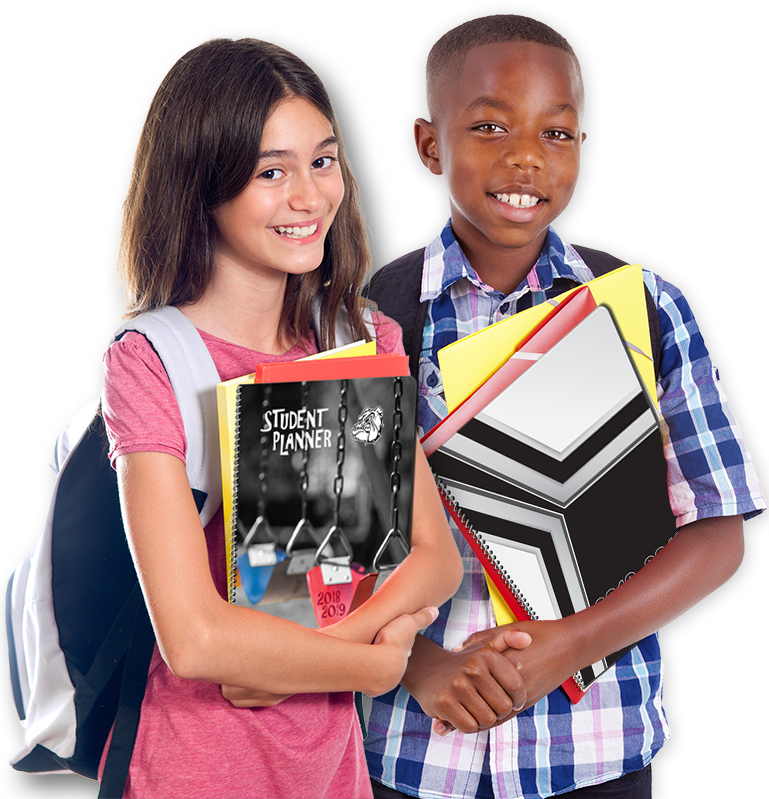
x: 386, y: 365
x: 548, y: 332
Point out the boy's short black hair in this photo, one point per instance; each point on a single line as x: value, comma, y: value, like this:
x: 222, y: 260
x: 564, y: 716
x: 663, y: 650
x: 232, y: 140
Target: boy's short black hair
x: 449, y: 52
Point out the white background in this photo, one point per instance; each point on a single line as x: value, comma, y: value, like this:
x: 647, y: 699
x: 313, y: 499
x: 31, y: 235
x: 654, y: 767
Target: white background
x: 674, y: 175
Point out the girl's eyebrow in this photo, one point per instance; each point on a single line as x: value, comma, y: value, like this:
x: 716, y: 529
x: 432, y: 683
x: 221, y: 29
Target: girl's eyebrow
x: 291, y: 154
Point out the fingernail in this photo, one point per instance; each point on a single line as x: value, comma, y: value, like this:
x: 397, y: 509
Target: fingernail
x: 433, y: 613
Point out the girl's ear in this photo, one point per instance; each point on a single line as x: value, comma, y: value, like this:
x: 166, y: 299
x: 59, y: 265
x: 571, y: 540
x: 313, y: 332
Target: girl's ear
x: 426, y: 139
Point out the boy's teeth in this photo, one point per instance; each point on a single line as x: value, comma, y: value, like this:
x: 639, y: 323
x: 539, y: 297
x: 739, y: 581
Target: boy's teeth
x: 518, y: 200
x: 297, y: 232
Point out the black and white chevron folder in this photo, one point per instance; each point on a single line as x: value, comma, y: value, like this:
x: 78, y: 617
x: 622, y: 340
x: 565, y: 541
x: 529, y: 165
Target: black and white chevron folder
x: 559, y: 482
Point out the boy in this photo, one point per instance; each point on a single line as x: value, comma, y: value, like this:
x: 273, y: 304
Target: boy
x: 505, y: 97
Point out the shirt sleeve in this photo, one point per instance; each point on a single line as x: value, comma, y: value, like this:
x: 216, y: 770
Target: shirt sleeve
x: 389, y: 338
x: 710, y: 472
x: 140, y: 410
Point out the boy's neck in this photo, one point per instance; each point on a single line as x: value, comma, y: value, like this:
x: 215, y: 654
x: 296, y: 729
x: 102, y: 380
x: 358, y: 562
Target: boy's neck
x: 502, y: 268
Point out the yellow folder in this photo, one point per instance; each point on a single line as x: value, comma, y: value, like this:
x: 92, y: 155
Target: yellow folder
x: 468, y: 363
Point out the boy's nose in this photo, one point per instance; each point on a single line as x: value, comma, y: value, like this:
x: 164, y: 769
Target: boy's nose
x: 524, y: 154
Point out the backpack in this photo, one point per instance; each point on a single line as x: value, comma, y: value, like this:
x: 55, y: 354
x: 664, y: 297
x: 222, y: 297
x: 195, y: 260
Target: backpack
x: 79, y: 635
x: 396, y: 289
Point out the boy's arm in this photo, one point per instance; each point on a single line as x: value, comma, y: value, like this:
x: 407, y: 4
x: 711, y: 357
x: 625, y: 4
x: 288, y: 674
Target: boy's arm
x: 702, y: 556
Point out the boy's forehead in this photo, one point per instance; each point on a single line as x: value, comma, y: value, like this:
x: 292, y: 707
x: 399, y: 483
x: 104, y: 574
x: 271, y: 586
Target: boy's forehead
x: 489, y: 71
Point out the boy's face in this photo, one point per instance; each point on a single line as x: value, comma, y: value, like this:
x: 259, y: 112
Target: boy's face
x: 506, y: 136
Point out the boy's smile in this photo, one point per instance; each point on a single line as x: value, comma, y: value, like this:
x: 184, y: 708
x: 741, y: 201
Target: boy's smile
x: 506, y: 136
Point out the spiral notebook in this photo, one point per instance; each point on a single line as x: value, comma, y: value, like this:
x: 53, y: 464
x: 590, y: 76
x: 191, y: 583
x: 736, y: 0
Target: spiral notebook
x: 559, y: 482
x: 313, y: 472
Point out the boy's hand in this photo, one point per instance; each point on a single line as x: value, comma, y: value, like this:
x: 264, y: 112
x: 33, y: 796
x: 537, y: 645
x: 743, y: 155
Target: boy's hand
x: 471, y: 689
x: 544, y: 665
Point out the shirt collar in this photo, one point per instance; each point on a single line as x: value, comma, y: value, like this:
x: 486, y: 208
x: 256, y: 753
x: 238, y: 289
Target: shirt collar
x: 445, y: 264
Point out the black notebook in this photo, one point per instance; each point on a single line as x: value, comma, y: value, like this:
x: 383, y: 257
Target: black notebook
x: 559, y: 483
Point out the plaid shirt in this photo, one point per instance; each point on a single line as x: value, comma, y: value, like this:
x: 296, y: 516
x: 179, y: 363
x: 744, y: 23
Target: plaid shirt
x: 620, y: 724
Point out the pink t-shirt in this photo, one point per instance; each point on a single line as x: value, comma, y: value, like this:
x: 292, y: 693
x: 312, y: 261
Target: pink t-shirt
x: 192, y: 742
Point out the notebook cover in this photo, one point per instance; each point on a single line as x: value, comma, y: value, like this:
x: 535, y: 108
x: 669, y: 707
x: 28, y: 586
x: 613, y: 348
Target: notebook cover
x: 559, y: 482
x: 272, y: 426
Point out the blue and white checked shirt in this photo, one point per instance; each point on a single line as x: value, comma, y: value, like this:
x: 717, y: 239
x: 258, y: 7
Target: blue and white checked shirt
x: 556, y: 746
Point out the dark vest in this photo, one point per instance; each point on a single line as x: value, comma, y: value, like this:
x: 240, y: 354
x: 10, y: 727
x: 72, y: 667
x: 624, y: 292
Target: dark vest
x: 395, y: 289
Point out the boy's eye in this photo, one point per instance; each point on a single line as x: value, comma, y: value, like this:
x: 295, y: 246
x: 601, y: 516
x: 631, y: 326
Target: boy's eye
x: 558, y: 135
x: 490, y: 127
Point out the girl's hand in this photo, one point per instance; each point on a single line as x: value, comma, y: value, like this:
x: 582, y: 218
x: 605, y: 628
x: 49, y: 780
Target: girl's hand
x: 397, y: 638
x: 245, y: 697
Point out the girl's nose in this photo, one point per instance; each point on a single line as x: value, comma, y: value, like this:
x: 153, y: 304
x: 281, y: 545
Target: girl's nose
x: 306, y: 195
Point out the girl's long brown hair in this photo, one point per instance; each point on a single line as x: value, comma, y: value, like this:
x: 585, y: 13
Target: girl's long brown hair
x: 198, y: 149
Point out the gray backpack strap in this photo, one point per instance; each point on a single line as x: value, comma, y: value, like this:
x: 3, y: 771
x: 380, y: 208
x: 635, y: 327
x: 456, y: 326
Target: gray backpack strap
x: 342, y: 328
x: 193, y: 377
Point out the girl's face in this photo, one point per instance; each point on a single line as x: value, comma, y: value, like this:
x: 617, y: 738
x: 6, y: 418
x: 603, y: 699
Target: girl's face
x: 278, y: 224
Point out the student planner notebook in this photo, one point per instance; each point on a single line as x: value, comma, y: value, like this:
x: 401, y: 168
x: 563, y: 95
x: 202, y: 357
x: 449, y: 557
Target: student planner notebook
x: 318, y: 459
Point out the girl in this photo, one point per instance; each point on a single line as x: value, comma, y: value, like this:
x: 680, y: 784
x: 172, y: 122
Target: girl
x: 242, y: 212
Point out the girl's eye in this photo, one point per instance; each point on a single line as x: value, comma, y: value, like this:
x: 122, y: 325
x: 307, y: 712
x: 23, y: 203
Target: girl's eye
x: 323, y: 162
x: 271, y: 174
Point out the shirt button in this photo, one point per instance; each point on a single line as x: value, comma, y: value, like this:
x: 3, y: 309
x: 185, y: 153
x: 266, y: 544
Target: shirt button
x: 505, y: 307
x: 432, y: 380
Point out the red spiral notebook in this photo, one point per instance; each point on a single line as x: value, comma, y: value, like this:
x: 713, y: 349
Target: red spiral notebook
x: 555, y: 474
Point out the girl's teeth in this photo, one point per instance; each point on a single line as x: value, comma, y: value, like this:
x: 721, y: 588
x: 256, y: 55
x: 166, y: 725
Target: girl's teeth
x: 518, y: 200
x: 297, y: 232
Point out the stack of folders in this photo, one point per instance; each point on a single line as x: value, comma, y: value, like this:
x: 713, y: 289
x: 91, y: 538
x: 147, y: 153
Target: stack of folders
x: 554, y: 470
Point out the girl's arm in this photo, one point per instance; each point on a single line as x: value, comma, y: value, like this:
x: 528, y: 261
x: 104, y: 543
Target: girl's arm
x: 201, y: 636
x: 429, y: 575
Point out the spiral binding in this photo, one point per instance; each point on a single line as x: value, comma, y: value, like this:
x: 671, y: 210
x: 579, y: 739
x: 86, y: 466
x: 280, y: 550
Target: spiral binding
x: 449, y: 499
x: 232, y: 566
x: 485, y: 549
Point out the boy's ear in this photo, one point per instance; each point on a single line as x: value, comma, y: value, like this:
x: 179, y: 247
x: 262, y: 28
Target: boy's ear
x: 426, y: 139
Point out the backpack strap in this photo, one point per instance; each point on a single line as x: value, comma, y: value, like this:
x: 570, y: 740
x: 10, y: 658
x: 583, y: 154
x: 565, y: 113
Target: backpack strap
x: 342, y: 333
x: 193, y: 377
x: 599, y: 264
x: 395, y: 289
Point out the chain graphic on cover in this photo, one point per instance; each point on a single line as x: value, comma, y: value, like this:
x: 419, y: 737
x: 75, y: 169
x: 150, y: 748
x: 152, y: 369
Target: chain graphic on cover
x: 558, y: 479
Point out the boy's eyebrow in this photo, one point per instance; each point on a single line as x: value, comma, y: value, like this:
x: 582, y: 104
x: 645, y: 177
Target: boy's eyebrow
x: 559, y: 109
x: 493, y: 102
x: 291, y: 154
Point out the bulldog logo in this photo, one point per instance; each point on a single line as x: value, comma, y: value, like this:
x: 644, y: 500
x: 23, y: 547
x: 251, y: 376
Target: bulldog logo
x: 368, y: 426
